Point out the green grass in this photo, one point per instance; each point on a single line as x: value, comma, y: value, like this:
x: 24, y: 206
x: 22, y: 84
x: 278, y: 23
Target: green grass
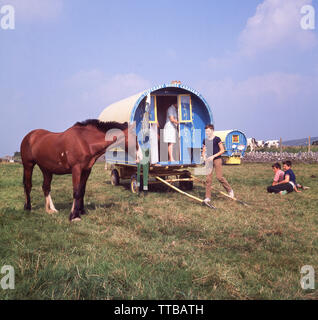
x: 163, y: 245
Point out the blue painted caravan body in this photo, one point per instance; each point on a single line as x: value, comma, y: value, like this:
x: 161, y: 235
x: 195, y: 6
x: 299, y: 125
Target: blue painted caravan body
x: 193, y: 112
x: 235, y: 144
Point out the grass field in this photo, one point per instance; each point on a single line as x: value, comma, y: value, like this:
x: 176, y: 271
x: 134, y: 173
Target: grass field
x: 162, y: 245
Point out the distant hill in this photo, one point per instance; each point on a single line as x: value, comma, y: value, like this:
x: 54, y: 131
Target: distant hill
x: 299, y: 142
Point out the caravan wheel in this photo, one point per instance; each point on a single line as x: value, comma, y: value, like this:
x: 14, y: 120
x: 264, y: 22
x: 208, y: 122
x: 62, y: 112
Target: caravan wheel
x: 133, y: 184
x: 186, y: 185
x: 114, y: 178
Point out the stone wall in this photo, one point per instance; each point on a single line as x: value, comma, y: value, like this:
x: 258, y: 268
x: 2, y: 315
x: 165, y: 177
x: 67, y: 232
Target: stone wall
x: 304, y: 157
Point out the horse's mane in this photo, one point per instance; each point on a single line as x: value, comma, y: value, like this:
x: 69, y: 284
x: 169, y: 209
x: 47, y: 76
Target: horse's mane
x: 102, y: 126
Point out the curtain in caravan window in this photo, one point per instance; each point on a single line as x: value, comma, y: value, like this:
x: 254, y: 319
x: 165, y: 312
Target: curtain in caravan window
x: 153, y: 110
x: 185, y: 112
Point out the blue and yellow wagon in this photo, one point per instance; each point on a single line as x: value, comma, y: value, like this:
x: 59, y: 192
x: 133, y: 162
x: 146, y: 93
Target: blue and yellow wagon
x: 235, y: 144
x: 147, y: 111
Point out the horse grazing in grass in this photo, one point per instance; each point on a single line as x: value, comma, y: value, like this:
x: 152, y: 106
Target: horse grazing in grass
x: 73, y: 151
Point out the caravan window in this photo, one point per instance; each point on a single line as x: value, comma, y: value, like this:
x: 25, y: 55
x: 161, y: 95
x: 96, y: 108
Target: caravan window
x: 185, y: 108
x: 235, y: 138
x: 153, y: 110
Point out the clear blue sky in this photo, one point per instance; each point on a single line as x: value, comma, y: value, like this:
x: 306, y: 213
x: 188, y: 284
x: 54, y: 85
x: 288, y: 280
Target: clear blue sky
x: 68, y: 59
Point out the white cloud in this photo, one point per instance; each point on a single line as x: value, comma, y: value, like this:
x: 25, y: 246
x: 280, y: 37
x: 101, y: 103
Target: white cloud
x: 92, y: 89
x: 276, y: 23
x: 263, y: 105
x: 279, y: 87
x: 215, y: 63
x: 86, y: 79
x: 35, y: 10
x: 123, y: 85
x: 275, y: 27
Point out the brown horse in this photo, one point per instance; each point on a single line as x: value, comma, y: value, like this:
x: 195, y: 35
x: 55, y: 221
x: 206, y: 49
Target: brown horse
x: 73, y: 151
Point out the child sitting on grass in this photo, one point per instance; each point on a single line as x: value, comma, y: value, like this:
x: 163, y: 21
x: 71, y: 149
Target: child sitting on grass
x: 279, y: 173
x: 288, y: 184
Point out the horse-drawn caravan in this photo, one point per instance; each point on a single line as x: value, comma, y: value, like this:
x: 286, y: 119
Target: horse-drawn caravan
x: 147, y: 113
x: 235, y: 144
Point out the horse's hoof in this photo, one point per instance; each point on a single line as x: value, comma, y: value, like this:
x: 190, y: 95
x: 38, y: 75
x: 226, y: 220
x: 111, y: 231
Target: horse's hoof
x: 27, y: 207
x: 76, y: 219
x: 83, y: 213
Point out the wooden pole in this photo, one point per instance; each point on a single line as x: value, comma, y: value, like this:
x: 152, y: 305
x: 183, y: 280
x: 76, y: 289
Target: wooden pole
x: 281, y: 146
x: 309, y: 144
x: 223, y: 193
x: 175, y: 188
x: 182, y: 192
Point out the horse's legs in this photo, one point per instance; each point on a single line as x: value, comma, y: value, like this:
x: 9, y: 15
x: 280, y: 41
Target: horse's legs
x: 46, y: 187
x: 76, y: 178
x: 84, y: 177
x: 27, y: 182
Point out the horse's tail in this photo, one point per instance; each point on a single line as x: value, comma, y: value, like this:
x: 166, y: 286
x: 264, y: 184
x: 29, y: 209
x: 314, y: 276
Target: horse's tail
x: 25, y: 149
x: 26, y: 154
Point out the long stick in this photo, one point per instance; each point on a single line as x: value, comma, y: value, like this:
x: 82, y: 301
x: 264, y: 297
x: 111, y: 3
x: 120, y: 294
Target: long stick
x: 224, y: 194
x: 233, y: 198
x: 184, y: 193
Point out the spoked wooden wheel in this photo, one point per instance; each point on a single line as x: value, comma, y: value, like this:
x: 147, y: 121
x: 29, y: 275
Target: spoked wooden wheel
x: 186, y: 185
x: 133, y: 184
x: 114, y: 178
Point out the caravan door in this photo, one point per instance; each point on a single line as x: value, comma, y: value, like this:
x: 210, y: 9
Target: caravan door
x: 185, y: 128
x: 153, y: 126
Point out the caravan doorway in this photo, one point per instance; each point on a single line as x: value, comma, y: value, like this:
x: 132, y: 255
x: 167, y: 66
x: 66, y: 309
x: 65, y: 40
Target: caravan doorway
x: 158, y: 117
x: 163, y: 104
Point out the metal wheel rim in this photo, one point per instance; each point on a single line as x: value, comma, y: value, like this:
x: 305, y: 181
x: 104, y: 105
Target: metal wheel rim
x: 133, y: 186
